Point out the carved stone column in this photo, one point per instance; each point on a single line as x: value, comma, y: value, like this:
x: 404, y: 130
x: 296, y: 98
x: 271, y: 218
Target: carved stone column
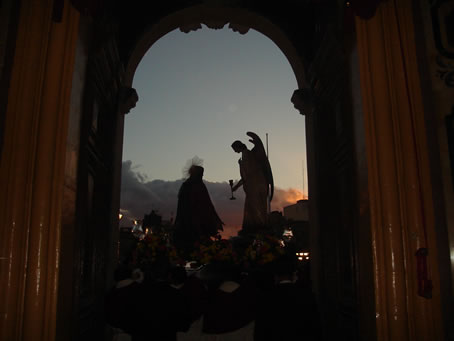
x: 304, y: 101
x: 32, y: 171
x: 399, y: 183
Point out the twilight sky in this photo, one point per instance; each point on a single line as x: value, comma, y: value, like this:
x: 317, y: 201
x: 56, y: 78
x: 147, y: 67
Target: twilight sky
x: 198, y: 92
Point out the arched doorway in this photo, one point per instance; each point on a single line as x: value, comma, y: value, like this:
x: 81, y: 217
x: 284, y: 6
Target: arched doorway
x: 199, y: 91
x: 237, y: 19
x: 330, y: 143
x: 401, y: 211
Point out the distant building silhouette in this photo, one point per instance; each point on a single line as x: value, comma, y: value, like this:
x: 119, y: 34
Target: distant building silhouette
x: 297, y: 216
x: 298, y: 211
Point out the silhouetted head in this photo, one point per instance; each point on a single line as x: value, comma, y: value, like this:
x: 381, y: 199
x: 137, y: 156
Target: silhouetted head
x: 238, y: 146
x: 196, y: 172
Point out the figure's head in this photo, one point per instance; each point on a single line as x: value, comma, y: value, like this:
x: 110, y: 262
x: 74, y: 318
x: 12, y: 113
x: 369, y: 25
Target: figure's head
x: 238, y: 146
x: 193, y: 168
x: 195, y: 171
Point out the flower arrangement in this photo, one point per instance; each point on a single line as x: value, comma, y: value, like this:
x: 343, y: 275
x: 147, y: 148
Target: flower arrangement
x: 260, y: 251
x: 263, y: 250
x: 215, y: 251
x: 153, y: 249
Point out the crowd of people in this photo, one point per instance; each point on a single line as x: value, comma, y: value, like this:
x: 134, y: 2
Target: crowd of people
x: 217, y: 302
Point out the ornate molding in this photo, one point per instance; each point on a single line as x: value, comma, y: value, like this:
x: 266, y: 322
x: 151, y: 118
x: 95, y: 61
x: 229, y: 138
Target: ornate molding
x: 449, y: 123
x: 365, y: 9
x: 445, y: 71
x: 90, y: 7
x: 215, y: 25
x: 442, y: 13
x: 127, y: 99
x: 241, y: 29
x: 186, y: 28
x: 105, y: 60
x: 303, y: 101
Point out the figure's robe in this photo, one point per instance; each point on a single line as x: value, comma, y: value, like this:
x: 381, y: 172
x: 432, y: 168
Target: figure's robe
x: 196, y: 217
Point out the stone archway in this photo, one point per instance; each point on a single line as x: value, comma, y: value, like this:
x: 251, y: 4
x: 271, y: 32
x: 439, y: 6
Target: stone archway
x: 241, y: 21
x: 238, y: 20
x: 324, y: 106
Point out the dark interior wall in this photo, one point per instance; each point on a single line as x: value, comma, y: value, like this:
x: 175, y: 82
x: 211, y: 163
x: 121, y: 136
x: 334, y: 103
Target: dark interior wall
x: 344, y: 267
x: 362, y: 234
x: 435, y: 62
x: 96, y: 171
x: 90, y: 215
x: 9, y: 19
x: 68, y: 293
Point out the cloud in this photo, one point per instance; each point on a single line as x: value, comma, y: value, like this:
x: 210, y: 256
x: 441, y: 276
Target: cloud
x: 139, y: 196
x: 285, y: 197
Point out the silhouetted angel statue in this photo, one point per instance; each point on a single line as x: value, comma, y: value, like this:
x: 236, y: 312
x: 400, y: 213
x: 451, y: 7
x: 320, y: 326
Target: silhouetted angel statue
x: 257, y: 182
x: 196, y: 217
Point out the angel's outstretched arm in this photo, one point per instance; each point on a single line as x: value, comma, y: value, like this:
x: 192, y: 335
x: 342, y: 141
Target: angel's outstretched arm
x: 238, y: 185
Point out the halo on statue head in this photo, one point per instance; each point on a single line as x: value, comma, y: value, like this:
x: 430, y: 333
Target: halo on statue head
x: 192, y: 165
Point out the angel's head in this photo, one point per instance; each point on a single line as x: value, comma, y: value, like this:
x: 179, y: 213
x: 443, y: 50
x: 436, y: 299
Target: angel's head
x: 238, y: 146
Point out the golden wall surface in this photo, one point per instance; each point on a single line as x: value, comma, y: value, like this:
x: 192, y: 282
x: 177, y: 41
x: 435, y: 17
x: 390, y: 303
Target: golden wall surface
x: 32, y: 171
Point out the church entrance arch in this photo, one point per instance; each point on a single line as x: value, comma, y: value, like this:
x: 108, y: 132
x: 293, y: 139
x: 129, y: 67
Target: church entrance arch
x: 324, y: 97
x: 330, y: 145
x: 55, y: 270
x: 238, y: 20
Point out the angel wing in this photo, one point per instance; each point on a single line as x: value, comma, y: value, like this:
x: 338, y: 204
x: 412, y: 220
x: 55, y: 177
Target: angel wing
x: 260, y: 153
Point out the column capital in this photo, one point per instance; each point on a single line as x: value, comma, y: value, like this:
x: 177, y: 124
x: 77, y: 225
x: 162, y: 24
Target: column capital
x: 303, y: 101
x: 127, y: 99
